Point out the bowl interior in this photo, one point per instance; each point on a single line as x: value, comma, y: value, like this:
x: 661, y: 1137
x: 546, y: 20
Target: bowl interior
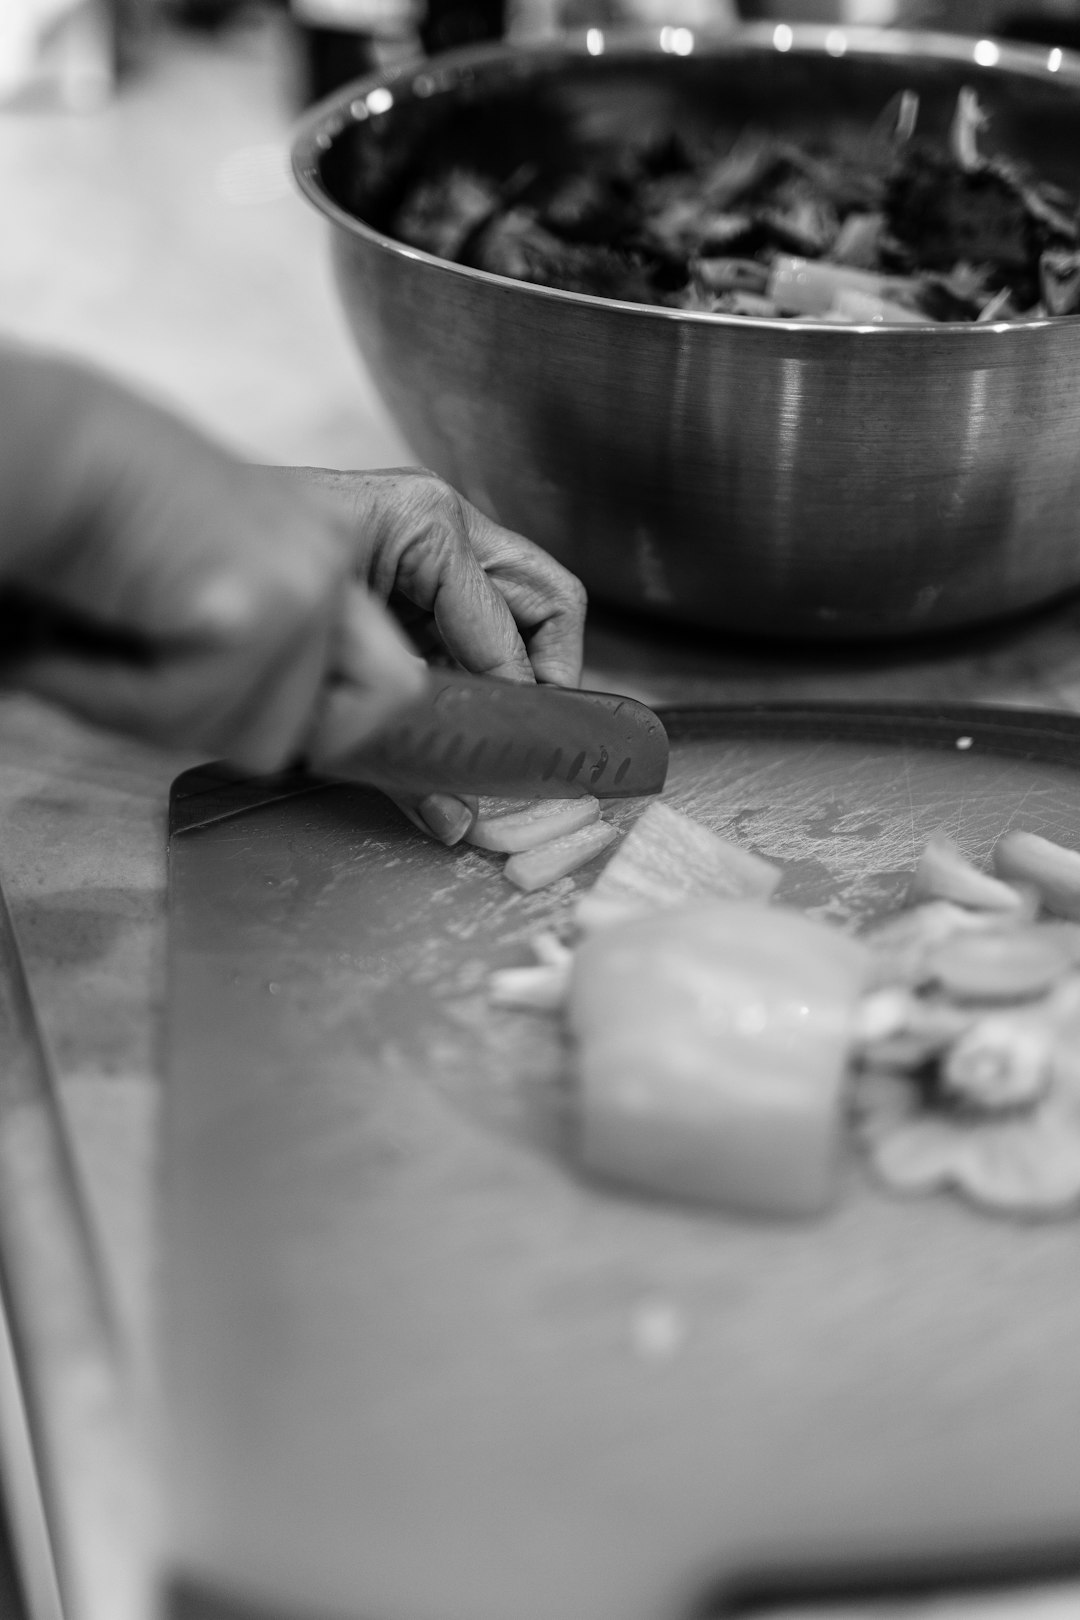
x: 496, y: 110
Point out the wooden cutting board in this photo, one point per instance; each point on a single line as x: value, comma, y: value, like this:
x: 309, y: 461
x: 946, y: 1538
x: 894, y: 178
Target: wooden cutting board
x: 418, y: 1368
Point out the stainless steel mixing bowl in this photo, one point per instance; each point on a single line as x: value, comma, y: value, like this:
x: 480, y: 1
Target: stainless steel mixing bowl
x: 757, y: 475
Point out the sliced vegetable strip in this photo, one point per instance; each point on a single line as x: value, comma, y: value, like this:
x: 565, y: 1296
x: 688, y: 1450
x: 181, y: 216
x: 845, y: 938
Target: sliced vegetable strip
x: 667, y: 858
x: 538, y: 822
x: 535, y: 868
x: 945, y: 873
x: 998, y: 965
x: 1024, y: 857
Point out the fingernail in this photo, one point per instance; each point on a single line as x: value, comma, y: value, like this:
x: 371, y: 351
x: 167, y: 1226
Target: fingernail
x: 445, y: 817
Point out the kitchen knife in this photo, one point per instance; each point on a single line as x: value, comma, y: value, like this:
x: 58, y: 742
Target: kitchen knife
x: 472, y: 734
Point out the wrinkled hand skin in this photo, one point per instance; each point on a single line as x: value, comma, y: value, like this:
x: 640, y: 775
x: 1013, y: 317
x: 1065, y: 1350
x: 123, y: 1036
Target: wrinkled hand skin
x: 154, y: 585
x: 500, y: 605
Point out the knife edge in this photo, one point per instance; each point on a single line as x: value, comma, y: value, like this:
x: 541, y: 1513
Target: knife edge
x: 474, y: 735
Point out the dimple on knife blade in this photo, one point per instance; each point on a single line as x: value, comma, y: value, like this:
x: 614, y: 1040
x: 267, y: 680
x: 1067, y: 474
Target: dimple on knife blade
x: 474, y: 735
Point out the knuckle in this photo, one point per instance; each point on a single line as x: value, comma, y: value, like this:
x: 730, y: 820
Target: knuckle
x: 450, y: 506
x: 424, y: 556
x: 565, y: 588
x: 435, y: 492
x: 431, y: 526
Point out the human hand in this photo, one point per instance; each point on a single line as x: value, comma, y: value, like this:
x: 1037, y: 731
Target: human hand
x: 497, y: 603
x: 501, y: 606
x: 154, y: 585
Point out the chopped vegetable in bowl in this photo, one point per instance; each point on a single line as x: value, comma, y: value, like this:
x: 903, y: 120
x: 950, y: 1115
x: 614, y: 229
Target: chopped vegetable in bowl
x: 903, y: 230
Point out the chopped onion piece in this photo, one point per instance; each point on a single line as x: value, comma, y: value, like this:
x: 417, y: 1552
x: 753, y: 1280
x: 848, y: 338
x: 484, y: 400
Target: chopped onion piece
x: 666, y: 859
x: 945, y: 873
x: 537, y: 822
x: 969, y: 120
x: 1024, y: 857
x: 811, y: 286
x: 867, y: 309
x: 535, y: 868
x: 898, y: 1031
x: 902, y: 945
x: 882, y: 1014
x: 1001, y: 1062
x: 1012, y: 964
x: 1029, y: 1165
x: 540, y: 989
x: 1026, y: 1164
x: 549, y: 949
x: 919, y: 1154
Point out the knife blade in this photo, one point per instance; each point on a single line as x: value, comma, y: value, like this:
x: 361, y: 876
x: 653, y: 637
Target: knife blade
x: 472, y: 734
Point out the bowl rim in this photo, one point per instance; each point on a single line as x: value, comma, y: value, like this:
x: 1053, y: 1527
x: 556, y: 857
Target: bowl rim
x: 372, y: 96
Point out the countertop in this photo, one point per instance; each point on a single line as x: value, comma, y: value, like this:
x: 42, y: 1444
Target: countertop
x: 161, y: 237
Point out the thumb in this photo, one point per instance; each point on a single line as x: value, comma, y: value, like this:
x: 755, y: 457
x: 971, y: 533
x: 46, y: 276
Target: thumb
x: 445, y: 816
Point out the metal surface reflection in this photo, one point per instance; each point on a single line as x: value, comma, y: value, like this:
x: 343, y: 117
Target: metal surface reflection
x: 787, y: 478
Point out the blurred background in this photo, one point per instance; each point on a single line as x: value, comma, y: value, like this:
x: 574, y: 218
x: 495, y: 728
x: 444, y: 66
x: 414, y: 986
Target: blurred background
x: 151, y: 223
x: 74, y: 53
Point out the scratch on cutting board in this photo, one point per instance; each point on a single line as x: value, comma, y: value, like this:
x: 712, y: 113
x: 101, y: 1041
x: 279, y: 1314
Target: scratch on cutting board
x: 847, y: 823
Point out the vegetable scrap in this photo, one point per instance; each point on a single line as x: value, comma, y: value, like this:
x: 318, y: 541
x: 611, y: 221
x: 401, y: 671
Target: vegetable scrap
x: 516, y: 825
x: 943, y: 872
x: 539, y: 987
x: 1053, y: 872
x: 965, y: 1073
x: 667, y: 858
x: 546, y: 839
x: 725, y: 1044
x: 545, y: 863
x: 896, y: 229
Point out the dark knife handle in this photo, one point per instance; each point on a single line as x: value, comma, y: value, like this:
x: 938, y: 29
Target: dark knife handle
x: 471, y: 734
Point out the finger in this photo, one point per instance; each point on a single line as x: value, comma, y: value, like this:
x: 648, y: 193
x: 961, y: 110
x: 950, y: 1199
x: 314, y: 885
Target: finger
x: 554, y: 635
x: 502, y: 606
x: 479, y: 629
x: 418, y: 545
x: 440, y: 573
x: 546, y: 601
x: 443, y: 815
